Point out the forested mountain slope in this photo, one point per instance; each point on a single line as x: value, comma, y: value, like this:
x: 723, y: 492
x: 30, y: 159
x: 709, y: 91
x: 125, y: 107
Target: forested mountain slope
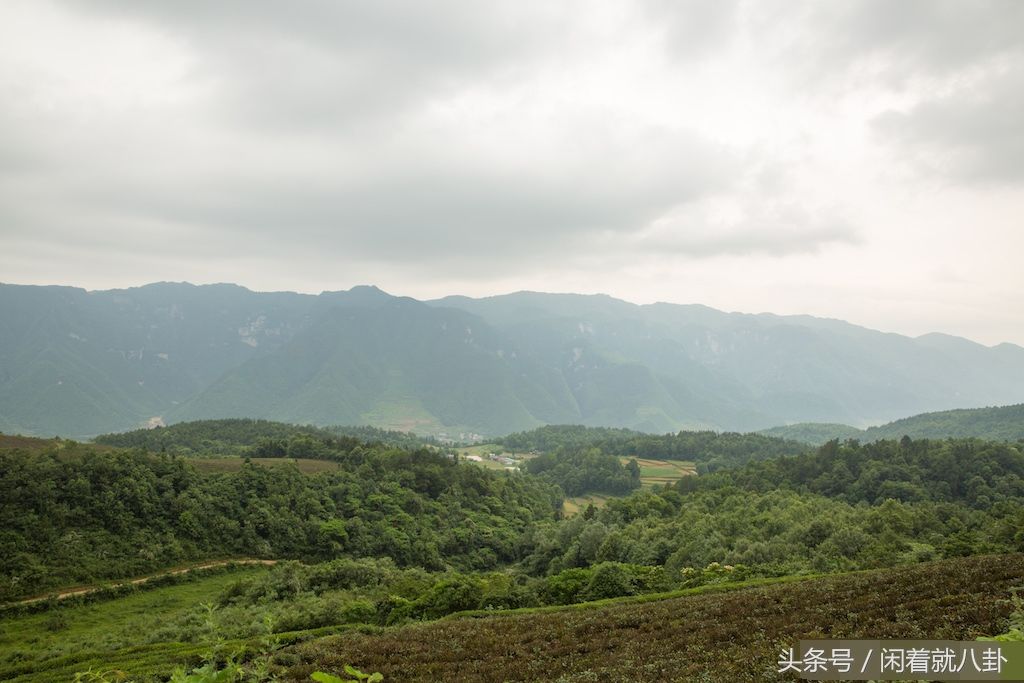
x: 80, y: 363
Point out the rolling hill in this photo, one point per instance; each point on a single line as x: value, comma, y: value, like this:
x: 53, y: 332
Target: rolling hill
x: 1002, y: 423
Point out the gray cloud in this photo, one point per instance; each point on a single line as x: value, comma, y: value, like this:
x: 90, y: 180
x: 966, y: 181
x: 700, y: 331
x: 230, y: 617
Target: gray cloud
x: 694, y: 28
x: 599, y: 142
x: 316, y: 131
x: 411, y: 204
x: 895, y: 42
x: 768, y: 239
x: 972, y: 134
x: 756, y: 228
x: 323, y: 63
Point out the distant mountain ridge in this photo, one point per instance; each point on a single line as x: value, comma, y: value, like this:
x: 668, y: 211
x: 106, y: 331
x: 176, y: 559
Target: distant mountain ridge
x: 999, y: 423
x: 80, y: 363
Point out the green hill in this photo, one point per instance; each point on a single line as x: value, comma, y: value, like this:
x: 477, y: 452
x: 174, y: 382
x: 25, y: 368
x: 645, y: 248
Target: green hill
x: 1004, y: 423
x: 239, y: 436
x: 1000, y: 423
x: 709, y: 450
x: 815, y: 433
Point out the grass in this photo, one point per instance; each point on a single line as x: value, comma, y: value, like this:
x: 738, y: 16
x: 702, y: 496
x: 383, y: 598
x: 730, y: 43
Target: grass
x: 709, y: 636
x: 577, y: 504
x: 36, y: 642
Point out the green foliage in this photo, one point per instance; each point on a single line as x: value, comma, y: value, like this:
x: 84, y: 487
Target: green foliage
x: 230, y: 437
x: 970, y: 472
x: 108, y: 676
x: 450, y: 595
x: 814, y: 433
x: 845, y: 507
x: 357, y: 676
x: 1015, y: 632
x: 120, y: 514
x: 580, y: 471
x: 386, y: 437
x: 397, y: 535
x: 210, y: 673
x: 710, y: 450
x: 552, y: 437
x: 1002, y: 423
x: 608, y: 580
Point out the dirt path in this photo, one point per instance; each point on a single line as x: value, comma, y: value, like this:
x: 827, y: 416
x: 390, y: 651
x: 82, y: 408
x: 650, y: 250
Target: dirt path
x: 61, y: 595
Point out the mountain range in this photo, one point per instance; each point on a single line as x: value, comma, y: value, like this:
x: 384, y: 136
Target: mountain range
x: 78, y: 363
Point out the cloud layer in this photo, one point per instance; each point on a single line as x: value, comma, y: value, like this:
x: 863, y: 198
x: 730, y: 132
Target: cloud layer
x: 643, y: 149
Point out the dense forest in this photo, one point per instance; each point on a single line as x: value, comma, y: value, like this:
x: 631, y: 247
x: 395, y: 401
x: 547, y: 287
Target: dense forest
x: 108, y: 515
x: 844, y: 506
x: 238, y: 436
x: 709, y: 450
x: 585, y: 470
x: 550, y: 437
x: 971, y: 472
x: 814, y: 433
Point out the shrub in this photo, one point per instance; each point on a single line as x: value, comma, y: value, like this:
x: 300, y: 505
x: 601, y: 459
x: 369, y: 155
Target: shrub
x: 609, y: 580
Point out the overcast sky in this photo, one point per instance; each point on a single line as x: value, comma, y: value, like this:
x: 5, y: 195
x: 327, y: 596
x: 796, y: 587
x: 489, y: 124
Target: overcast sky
x: 857, y: 160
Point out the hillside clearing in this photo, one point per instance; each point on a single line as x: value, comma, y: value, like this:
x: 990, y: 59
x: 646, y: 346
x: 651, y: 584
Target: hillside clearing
x: 577, y: 504
x: 655, y: 472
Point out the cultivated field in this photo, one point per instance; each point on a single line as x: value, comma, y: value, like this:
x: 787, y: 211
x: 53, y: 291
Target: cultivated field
x: 577, y: 504
x: 659, y: 472
x: 731, y: 636
x: 653, y: 473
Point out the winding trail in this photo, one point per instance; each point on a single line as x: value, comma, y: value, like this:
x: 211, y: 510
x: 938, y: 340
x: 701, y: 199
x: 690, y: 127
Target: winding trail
x: 85, y: 590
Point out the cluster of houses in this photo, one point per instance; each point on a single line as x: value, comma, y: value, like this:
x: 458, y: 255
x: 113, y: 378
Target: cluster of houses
x: 461, y: 437
x: 510, y: 463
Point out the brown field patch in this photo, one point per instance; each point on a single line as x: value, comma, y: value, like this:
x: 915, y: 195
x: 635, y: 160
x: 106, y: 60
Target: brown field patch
x: 732, y: 636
